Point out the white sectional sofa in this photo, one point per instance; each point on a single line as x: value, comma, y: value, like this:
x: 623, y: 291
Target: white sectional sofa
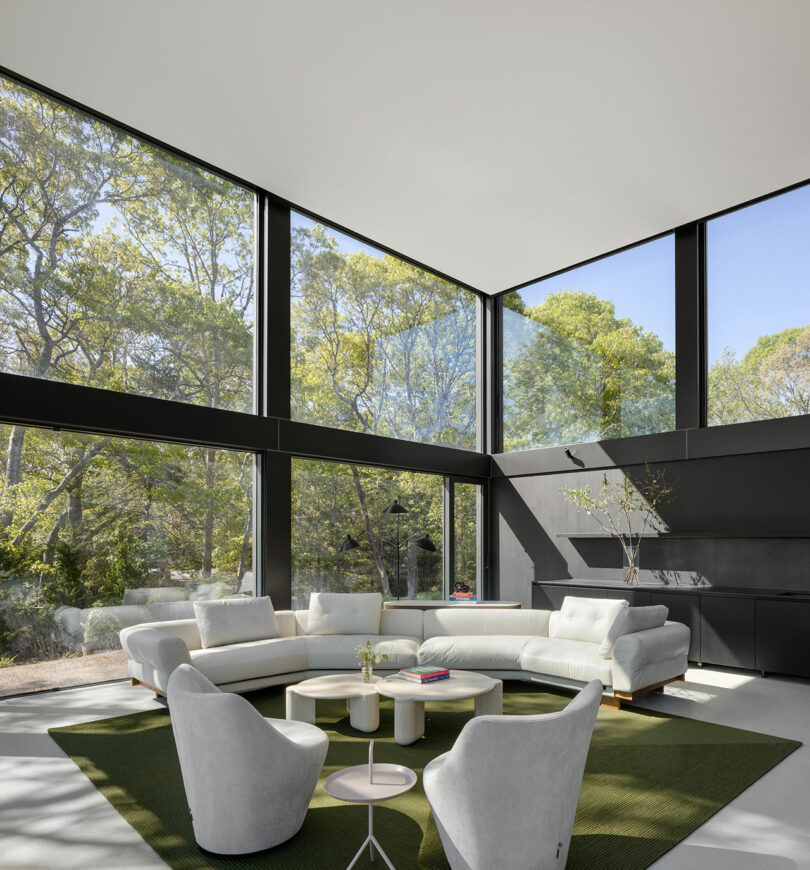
x: 629, y: 649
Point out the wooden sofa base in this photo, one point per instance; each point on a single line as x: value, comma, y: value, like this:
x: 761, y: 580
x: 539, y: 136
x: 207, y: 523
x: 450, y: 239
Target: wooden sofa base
x: 135, y: 682
x: 614, y: 701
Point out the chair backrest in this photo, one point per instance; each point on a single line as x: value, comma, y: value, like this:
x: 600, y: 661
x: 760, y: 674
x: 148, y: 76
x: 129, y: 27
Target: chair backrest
x: 517, y: 781
x: 220, y: 735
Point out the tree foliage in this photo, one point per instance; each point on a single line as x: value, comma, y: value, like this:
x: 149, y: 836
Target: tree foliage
x: 771, y: 380
x: 573, y: 371
x: 124, y: 268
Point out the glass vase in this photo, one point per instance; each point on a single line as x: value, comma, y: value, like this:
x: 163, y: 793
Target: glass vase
x: 368, y: 672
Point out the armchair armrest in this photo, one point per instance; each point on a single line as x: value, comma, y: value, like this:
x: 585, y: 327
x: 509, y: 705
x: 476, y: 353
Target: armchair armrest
x: 157, y: 649
x: 645, y: 658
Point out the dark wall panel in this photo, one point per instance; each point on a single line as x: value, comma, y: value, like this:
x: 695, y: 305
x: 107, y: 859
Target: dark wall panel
x: 741, y: 521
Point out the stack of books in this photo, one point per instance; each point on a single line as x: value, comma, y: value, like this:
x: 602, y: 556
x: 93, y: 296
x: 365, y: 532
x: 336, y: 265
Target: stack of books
x: 426, y: 674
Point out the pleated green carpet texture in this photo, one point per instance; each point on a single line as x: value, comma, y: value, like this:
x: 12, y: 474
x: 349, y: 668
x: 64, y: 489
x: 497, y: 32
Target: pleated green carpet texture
x: 650, y: 780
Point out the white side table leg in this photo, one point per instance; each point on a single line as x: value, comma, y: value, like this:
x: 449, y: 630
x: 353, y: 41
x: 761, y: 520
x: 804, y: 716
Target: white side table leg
x: 490, y: 703
x: 371, y: 841
x: 298, y: 707
x: 364, y: 712
x: 409, y: 721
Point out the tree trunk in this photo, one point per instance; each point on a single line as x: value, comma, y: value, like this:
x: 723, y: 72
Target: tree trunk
x: 413, y: 569
x: 373, y: 543
x: 50, y: 545
x: 13, y: 468
x: 209, y: 459
x: 246, y: 540
x: 58, y: 490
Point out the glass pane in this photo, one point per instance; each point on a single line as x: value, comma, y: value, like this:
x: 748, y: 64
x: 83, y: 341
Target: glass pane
x: 758, y: 262
x: 590, y: 354
x: 99, y: 533
x: 467, y: 499
x: 378, y: 345
x: 121, y: 266
x: 344, y: 541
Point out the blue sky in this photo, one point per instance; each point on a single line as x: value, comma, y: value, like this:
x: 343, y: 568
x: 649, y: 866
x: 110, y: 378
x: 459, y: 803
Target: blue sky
x: 640, y: 283
x: 758, y: 267
x: 758, y: 275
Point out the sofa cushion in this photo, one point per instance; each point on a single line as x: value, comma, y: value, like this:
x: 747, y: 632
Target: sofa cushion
x: 344, y: 613
x: 339, y: 652
x: 586, y: 619
x: 493, y: 652
x: 251, y: 660
x: 235, y: 620
x: 570, y: 659
x: 630, y: 620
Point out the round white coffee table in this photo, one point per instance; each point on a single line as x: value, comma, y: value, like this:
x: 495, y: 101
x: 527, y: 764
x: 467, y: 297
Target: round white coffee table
x: 362, y: 700
x: 353, y: 784
x: 410, y: 699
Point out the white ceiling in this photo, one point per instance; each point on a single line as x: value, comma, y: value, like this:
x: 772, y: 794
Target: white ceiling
x: 494, y: 141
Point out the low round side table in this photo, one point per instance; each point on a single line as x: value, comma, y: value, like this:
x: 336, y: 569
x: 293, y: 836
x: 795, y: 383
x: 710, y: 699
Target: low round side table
x: 355, y: 785
x: 362, y: 700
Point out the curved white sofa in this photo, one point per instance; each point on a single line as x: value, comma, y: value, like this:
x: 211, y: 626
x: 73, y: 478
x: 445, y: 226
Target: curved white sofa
x: 567, y: 648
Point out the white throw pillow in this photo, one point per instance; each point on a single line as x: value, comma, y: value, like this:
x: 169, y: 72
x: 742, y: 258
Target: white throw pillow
x: 344, y: 613
x: 586, y: 619
x: 630, y: 620
x: 235, y: 620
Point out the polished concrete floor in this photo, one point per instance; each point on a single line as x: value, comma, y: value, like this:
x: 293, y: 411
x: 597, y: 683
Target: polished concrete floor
x: 51, y: 817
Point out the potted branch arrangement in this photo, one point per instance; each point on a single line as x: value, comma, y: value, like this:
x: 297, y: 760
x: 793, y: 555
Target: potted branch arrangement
x: 619, y: 505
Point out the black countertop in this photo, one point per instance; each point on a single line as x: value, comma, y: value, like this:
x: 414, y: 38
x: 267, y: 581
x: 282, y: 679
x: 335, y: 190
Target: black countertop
x: 702, y: 589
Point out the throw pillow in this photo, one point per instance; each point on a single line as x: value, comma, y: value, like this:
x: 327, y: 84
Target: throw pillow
x: 586, y: 619
x: 344, y: 613
x: 630, y: 620
x: 235, y: 620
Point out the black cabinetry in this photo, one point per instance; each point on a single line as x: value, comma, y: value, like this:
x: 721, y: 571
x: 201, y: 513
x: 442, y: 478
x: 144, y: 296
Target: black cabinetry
x: 728, y: 631
x: 548, y: 597
x: 783, y: 637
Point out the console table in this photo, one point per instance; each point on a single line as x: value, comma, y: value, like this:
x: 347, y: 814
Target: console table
x: 430, y: 604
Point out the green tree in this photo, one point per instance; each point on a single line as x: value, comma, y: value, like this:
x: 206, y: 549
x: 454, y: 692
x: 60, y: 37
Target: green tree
x: 771, y: 380
x: 573, y: 371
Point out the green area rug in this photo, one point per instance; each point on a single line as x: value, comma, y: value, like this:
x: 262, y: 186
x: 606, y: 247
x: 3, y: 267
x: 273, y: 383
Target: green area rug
x: 650, y: 780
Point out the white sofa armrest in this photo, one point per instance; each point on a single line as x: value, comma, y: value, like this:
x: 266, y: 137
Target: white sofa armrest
x: 646, y: 658
x: 155, y: 648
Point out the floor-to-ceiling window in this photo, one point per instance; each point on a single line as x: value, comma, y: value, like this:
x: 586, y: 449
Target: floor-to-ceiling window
x: 357, y: 528
x: 125, y: 268
x: 101, y: 533
x: 379, y: 346
x: 590, y: 353
x: 758, y: 299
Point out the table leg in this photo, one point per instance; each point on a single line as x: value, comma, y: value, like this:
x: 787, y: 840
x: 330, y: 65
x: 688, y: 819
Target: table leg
x: 409, y: 721
x: 298, y: 707
x: 364, y: 712
x: 491, y: 702
x: 372, y: 842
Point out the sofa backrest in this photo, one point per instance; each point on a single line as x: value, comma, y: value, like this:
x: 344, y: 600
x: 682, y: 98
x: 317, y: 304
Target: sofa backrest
x: 402, y: 623
x: 185, y: 629
x: 466, y: 621
x: 585, y: 619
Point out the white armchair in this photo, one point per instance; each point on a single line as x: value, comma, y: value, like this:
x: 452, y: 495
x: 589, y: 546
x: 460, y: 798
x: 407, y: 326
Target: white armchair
x: 506, y: 793
x: 248, y: 779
